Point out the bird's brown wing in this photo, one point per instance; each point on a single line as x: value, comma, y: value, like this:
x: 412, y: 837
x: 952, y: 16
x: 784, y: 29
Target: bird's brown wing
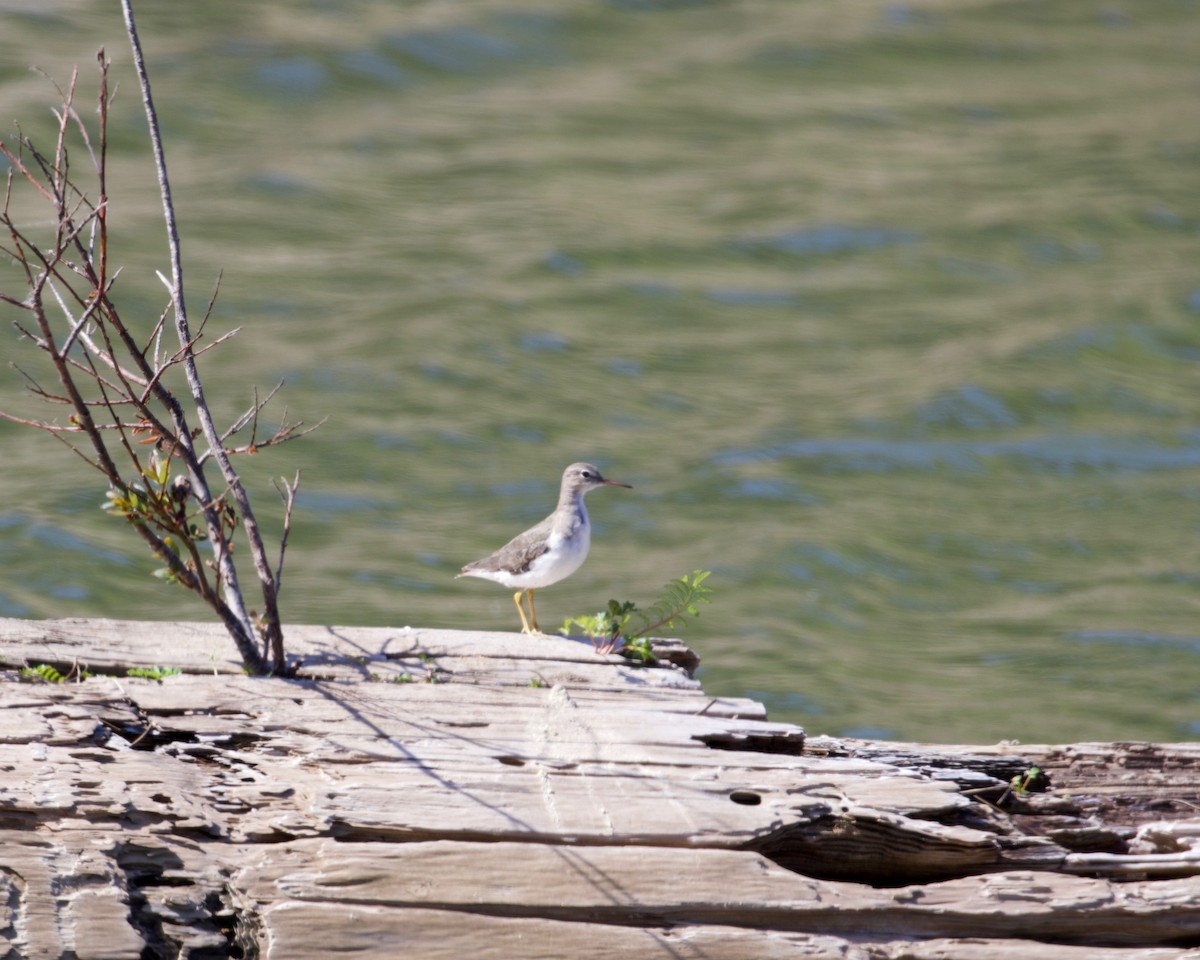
x: 517, y: 555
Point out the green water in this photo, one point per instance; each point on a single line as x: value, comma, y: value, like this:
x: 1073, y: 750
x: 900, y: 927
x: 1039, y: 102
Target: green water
x: 889, y: 312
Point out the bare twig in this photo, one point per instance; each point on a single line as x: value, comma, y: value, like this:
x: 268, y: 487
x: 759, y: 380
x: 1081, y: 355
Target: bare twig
x: 273, y: 633
x: 287, y: 493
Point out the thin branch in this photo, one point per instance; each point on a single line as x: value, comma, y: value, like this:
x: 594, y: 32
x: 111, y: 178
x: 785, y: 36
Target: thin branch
x: 288, y: 495
x: 87, y: 315
x: 106, y: 354
x: 79, y: 324
x: 13, y: 301
x: 155, y: 338
x: 224, y: 561
x: 102, y: 173
x: 223, y: 338
x: 285, y: 433
x: 75, y: 450
x: 251, y: 415
x: 19, y: 165
x: 38, y: 424
x: 212, y: 300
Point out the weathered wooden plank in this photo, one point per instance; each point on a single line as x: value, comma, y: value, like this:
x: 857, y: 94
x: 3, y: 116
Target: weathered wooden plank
x: 606, y: 884
x: 196, y: 693
x: 236, y: 793
x: 359, y: 723
x: 308, y: 931
x: 376, y: 719
x: 560, y: 769
x: 586, y: 900
x: 301, y: 931
x: 620, y: 812
x: 348, y: 653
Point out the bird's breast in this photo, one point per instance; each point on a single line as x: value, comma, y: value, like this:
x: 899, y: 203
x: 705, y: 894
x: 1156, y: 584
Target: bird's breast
x: 565, y: 555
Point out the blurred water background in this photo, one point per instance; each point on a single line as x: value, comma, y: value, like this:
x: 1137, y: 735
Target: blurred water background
x: 889, y: 311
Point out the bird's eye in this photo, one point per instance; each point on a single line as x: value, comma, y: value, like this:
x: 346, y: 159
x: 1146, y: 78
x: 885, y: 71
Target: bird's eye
x: 587, y: 474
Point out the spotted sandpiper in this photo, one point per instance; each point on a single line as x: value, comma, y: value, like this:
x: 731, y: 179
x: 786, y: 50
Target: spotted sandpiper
x: 550, y: 551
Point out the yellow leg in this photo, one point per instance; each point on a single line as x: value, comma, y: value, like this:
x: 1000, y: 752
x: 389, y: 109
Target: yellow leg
x: 521, y: 610
x: 532, y: 612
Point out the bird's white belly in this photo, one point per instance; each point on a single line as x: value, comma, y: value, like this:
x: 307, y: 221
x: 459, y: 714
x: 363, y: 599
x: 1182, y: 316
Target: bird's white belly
x: 565, y: 556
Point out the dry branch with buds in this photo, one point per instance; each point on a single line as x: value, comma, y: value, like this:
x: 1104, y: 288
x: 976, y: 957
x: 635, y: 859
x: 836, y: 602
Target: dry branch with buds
x: 124, y: 420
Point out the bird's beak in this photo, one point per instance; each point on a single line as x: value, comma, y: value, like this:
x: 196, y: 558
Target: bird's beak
x: 618, y: 483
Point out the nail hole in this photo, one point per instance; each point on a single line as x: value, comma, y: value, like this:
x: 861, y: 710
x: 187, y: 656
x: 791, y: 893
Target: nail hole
x: 747, y: 798
x: 511, y: 761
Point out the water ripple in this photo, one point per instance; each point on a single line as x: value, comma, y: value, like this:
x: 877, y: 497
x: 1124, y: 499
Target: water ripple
x: 968, y: 406
x: 1062, y: 454
x: 827, y: 239
x: 1136, y: 638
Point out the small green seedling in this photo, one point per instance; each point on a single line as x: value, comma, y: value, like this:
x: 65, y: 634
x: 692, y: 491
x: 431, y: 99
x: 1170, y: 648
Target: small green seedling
x: 1033, y: 780
x: 46, y: 673
x: 43, y: 672
x: 609, y: 630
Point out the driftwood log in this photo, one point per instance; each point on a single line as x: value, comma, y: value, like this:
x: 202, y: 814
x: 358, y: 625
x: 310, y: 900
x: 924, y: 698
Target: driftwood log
x: 428, y: 793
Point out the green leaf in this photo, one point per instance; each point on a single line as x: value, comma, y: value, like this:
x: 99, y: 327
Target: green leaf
x: 160, y: 469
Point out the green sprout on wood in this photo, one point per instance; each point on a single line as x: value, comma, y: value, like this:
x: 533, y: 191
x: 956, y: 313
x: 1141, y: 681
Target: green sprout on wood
x: 48, y: 673
x: 153, y: 673
x: 43, y: 672
x: 624, y: 628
